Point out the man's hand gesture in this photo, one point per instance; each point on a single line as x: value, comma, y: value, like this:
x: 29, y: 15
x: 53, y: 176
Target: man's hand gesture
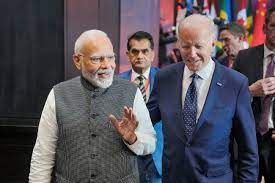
x: 263, y: 87
x: 126, y: 127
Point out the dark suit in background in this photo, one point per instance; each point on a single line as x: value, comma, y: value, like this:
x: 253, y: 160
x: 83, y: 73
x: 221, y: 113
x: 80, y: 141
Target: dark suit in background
x: 250, y: 63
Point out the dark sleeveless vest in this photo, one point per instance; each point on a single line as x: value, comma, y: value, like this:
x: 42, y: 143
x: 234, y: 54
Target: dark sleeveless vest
x: 89, y: 149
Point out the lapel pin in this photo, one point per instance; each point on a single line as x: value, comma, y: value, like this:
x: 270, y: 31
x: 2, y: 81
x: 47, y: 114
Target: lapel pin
x: 219, y: 84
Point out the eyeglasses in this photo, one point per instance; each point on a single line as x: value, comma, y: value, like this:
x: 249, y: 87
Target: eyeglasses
x: 100, y: 59
x: 136, y: 52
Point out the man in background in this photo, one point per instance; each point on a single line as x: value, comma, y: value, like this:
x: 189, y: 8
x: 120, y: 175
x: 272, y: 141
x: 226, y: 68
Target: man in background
x: 232, y: 37
x: 257, y: 64
x: 140, y: 53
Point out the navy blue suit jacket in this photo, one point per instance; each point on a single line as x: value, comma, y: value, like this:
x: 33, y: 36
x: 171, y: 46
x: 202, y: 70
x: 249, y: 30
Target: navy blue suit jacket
x: 206, y: 156
x: 157, y: 155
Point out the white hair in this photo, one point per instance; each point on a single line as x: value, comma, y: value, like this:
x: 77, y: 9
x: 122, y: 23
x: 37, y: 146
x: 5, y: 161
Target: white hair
x: 196, y: 20
x: 87, y: 35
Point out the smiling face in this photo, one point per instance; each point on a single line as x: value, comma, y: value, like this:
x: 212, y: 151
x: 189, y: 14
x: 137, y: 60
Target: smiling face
x: 196, y: 44
x: 99, y: 74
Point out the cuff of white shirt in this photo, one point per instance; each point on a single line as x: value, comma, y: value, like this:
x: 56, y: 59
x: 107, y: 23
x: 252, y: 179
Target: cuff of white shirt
x: 139, y: 146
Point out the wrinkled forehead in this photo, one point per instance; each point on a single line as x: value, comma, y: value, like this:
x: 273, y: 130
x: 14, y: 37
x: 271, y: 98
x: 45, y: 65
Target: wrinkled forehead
x: 194, y: 35
x: 99, y: 46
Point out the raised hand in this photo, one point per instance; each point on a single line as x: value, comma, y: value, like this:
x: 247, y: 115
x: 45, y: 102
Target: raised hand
x: 126, y: 127
x: 263, y: 87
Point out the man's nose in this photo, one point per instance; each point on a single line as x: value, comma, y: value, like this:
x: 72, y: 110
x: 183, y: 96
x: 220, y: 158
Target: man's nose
x: 140, y: 54
x: 193, y: 51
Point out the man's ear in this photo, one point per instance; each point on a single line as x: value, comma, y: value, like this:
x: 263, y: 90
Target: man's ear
x: 128, y: 55
x: 153, y: 55
x: 214, y: 42
x: 77, y: 61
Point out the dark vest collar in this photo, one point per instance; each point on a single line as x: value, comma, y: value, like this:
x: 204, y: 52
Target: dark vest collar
x: 90, y: 87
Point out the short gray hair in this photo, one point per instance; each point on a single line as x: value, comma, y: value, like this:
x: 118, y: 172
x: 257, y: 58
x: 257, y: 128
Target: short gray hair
x: 85, y: 36
x: 197, y: 20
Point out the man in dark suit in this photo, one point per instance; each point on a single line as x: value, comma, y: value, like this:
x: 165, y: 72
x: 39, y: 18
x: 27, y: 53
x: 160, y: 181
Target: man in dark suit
x: 203, y: 106
x: 140, y: 52
x: 232, y: 37
x: 257, y: 63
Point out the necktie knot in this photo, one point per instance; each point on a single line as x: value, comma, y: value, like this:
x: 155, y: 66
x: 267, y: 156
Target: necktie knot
x: 194, y: 77
x: 140, y: 79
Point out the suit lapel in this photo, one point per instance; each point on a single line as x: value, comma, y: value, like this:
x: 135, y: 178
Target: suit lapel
x: 152, y: 77
x: 176, y: 93
x: 259, y: 65
x: 129, y: 74
x: 217, y: 83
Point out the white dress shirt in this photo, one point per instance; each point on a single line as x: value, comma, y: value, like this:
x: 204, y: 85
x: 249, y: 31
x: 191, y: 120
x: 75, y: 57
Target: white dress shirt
x: 202, y: 83
x: 43, y: 156
x: 267, y: 60
x: 146, y: 74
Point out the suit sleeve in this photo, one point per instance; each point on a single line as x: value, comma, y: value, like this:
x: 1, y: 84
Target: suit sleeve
x: 245, y: 134
x: 153, y: 103
x: 236, y: 64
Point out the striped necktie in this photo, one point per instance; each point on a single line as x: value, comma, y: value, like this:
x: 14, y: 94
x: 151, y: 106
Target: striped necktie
x: 141, y: 86
x: 263, y: 126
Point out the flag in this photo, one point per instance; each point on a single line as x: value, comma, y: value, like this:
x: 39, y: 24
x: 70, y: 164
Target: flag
x: 241, y: 15
x: 249, y: 15
x: 205, y: 10
x: 213, y: 13
x: 258, y: 35
x: 249, y: 25
x: 225, y: 12
x: 195, y: 3
x: 189, y: 5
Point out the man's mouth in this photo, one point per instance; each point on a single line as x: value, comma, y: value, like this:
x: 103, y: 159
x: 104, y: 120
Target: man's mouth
x: 104, y: 75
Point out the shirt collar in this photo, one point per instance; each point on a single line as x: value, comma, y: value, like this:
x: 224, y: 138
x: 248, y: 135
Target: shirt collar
x: 204, y: 73
x: 145, y: 74
x: 267, y: 51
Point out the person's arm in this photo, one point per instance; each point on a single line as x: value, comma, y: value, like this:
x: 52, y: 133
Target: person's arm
x: 245, y: 135
x: 263, y: 87
x: 43, y: 156
x: 146, y: 135
x: 152, y: 104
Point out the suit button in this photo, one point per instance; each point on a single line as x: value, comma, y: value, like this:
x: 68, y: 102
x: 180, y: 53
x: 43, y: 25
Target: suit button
x: 93, y: 135
x: 188, y: 144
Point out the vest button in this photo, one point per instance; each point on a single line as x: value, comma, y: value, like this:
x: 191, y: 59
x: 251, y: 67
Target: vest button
x: 93, y: 175
x: 94, y: 115
x: 93, y: 156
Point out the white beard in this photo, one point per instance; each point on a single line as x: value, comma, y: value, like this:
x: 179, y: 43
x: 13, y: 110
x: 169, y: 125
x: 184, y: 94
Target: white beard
x: 99, y: 82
